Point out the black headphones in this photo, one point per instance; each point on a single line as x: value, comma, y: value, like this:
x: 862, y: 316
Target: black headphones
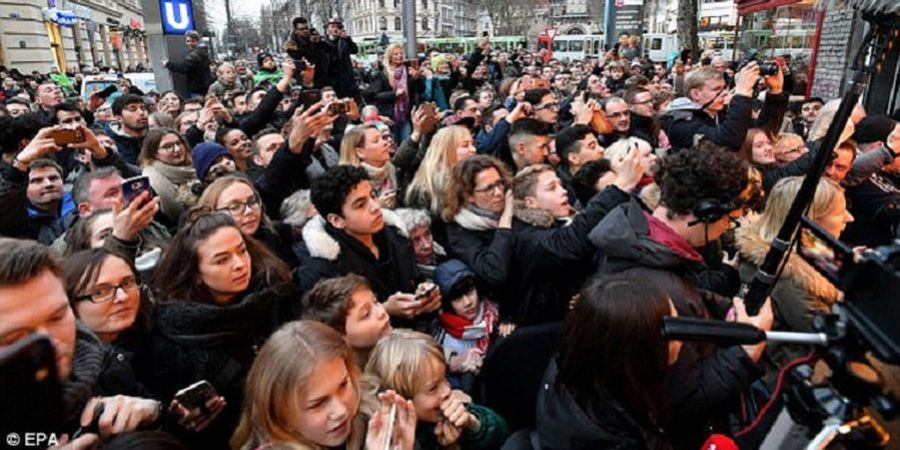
x: 709, y: 210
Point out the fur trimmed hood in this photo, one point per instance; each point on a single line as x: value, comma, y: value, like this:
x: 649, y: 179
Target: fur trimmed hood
x: 535, y: 217
x: 753, y: 249
x: 321, y: 245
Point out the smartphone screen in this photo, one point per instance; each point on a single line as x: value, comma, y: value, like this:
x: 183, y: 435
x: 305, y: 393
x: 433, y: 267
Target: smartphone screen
x: 133, y: 187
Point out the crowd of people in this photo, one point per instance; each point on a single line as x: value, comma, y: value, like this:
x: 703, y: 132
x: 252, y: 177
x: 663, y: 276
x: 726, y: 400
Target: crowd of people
x: 337, y: 250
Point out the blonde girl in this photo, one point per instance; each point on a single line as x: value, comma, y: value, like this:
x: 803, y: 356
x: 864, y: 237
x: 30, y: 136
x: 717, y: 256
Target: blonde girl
x: 449, y: 146
x: 302, y: 393
x: 412, y: 364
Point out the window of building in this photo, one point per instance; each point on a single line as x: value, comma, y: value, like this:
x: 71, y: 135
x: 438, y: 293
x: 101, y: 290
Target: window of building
x: 425, y: 5
x: 381, y: 3
x: 382, y: 23
x: 425, y: 25
x: 396, y: 3
x: 397, y: 24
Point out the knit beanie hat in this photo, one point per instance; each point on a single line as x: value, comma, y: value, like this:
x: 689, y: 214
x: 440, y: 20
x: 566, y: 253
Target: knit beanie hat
x: 875, y: 128
x: 205, y: 155
x: 261, y: 56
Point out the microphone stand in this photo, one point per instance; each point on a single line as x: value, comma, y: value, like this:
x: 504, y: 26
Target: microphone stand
x: 873, y: 44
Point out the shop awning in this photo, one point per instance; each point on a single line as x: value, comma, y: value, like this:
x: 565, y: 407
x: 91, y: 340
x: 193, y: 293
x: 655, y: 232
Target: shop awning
x: 751, y: 6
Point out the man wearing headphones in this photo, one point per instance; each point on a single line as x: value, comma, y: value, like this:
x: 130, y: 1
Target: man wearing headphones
x: 703, y: 192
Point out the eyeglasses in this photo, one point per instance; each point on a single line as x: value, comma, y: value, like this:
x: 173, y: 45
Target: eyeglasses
x: 239, y: 208
x: 493, y: 187
x: 550, y: 106
x: 170, y: 147
x: 105, y: 293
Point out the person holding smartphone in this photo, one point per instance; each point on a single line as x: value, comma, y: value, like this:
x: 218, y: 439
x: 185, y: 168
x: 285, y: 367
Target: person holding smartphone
x: 392, y: 90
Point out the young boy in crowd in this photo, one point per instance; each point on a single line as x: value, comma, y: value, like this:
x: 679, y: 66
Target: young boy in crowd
x: 348, y: 305
x: 466, y: 323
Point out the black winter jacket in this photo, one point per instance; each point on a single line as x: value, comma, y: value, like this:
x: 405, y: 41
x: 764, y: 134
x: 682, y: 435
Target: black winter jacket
x: 705, y: 382
x: 551, y: 260
x: 563, y: 425
x: 195, y: 67
x: 196, y: 341
x: 684, y: 120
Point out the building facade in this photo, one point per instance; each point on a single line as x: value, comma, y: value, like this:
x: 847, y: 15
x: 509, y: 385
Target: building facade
x: 38, y: 35
x: 370, y: 19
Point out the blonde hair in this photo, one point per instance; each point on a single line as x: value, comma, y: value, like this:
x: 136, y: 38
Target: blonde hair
x: 434, y: 173
x: 397, y: 362
x: 785, y: 142
x: 696, y: 78
x: 819, y: 128
x: 281, y: 371
x: 621, y: 147
x: 782, y: 196
x: 221, y: 69
x: 386, y: 62
x: 354, y: 138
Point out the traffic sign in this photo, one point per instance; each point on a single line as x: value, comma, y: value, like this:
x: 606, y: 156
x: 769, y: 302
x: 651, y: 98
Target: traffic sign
x: 177, y: 16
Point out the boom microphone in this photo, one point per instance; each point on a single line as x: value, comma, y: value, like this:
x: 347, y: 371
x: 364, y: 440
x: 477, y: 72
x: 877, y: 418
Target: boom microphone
x: 731, y: 333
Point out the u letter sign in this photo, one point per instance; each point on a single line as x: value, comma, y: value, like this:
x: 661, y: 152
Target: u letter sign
x: 177, y: 16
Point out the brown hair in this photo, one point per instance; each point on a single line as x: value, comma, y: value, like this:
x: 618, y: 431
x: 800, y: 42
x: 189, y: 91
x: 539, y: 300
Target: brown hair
x: 21, y: 260
x: 285, y: 365
x: 619, y: 317
x: 330, y: 300
x: 150, y: 148
x: 462, y: 182
x: 211, y: 194
x: 353, y: 139
x: 177, y: 277
x: 746, y: 150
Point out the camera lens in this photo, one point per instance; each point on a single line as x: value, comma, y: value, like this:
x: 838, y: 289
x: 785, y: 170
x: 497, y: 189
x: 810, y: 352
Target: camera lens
x: 768, y: 69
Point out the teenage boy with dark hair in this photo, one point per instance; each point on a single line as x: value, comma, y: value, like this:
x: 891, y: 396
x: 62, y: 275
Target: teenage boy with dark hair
x: 349, y: 236
x: 576, y: 146
x: 529, y: 142
x: 703, y: 191
x: 132, y: 116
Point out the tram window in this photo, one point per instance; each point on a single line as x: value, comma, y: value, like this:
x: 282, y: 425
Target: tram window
x: 560, y: 46
x: 656, y: 44
x: 576, y: 46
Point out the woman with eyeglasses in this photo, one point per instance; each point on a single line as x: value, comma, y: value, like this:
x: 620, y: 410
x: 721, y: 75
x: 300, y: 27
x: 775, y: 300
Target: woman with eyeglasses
x: 478, y: 211
x: 220, y: 294
x: 238, y: 197
x: 166, y: 160
x: 113, y: 344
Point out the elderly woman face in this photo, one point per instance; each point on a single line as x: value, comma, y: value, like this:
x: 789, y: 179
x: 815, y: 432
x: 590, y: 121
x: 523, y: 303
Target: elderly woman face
x: 423, y: 244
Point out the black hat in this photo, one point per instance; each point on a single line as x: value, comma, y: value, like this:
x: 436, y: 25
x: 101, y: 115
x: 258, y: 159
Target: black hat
x: 875, y: 128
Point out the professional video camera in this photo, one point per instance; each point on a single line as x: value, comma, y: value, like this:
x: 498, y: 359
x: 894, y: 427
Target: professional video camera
x: 834, y: 410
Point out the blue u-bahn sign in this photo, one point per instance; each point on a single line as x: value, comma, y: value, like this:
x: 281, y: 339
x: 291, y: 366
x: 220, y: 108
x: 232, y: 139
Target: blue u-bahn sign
x: 177, y: 16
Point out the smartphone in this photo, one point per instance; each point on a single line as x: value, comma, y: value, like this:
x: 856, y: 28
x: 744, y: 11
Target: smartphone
x: 829, y: 256
x: 65, y: 136
x: 196, y: 395
x: 337, y: 108
x: 431, y: 117
x: 310, y: 97
x: 30, y: 393
x: 426, y: 293
x: 133, y: 187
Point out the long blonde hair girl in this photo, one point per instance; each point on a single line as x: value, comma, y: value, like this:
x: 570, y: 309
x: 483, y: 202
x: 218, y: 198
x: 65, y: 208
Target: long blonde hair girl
x: 353, y: 138
x: 280, y: 373
x: 427, y: 186
x: 396, y: 363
